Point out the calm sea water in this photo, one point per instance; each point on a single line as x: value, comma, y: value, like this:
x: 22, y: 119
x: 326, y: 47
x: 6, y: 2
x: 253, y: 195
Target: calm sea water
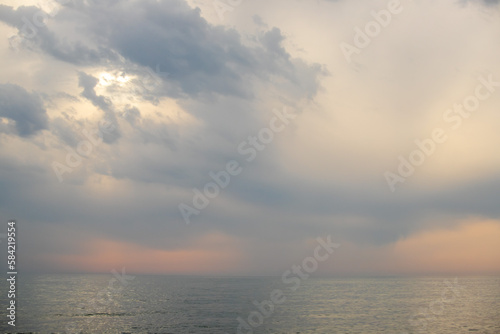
x: 166, y: 304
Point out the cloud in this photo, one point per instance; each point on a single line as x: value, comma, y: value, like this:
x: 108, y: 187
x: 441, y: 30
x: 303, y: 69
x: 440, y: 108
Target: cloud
x: 184, y: 91
x: 470, y: 247
x: 25, y: 109
x: 486, y: 2
x: 88, y: 83
x: 197, y: 57
x: 33, y: 33
x: 211, y: 254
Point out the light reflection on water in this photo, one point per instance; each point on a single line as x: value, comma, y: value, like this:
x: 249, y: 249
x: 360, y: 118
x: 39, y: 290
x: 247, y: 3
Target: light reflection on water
x: 167, y: 304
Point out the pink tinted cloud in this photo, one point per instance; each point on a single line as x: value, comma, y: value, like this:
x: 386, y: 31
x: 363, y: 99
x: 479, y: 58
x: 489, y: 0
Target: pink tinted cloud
x: 211, y: 254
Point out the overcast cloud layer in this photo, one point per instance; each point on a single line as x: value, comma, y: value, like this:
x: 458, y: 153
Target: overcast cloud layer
x: 112, y: 112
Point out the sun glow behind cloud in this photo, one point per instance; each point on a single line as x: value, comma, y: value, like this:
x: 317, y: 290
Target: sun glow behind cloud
x: 107, y: 79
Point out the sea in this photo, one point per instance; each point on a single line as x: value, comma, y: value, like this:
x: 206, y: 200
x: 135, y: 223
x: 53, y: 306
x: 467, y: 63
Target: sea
x: 123, y: 303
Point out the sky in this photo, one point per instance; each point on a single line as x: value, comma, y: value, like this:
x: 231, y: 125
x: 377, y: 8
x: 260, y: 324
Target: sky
x: 224, y: 137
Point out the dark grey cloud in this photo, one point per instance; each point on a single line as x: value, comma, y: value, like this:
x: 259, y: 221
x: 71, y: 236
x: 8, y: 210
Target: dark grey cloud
x: 88, y: 83
x: 24, y: 108
x: 272, y: 41
x: 198, y: 58
x: 33, y: 33
x: 486, y: 2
